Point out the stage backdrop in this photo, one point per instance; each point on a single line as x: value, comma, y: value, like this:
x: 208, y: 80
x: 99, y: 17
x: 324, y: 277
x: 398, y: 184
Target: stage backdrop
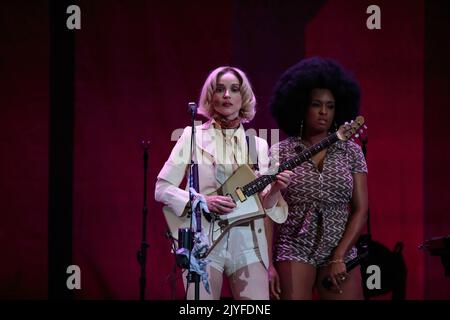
x: 137, y: 65
x: 24, y: 139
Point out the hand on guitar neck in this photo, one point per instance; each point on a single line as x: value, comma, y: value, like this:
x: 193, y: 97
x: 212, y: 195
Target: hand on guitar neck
x: 282, y: 182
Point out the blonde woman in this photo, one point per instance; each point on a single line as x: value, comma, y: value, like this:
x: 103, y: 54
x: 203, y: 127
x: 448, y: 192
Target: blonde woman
x: 227, y: 100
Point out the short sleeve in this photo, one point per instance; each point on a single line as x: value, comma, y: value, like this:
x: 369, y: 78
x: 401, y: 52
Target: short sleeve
x: 274, y: 155
x: 356, y: 158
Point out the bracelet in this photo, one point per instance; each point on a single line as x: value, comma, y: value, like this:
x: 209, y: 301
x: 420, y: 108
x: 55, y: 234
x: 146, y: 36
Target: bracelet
x: 336, y: 261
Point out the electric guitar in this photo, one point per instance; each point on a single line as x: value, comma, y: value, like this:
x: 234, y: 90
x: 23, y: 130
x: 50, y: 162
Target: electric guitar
x: 243, y: 187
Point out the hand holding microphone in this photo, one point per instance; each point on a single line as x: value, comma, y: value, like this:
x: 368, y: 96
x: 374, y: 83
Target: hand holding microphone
x: 328, y: 283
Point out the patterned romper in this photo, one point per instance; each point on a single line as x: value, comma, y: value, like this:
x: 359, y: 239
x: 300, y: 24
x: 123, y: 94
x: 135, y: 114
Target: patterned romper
x: 318, y: 202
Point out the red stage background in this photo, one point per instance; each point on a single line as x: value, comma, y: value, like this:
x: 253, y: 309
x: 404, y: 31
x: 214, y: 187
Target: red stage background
x: 138, y: 64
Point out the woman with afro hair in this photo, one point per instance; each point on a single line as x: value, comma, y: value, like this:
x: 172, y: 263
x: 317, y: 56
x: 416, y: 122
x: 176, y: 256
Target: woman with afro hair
x: 327, y: 197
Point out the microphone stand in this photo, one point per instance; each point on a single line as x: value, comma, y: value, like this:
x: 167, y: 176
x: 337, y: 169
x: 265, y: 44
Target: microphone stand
x: 195, y: 212
x: 142, y: 252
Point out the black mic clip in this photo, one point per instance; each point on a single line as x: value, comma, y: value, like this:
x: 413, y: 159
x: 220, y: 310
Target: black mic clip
x: 185, y: 241
x: 192, y: 108
x: 145, y: 144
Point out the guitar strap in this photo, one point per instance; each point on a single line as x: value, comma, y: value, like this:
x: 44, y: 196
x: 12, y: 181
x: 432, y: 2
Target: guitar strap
x: 252, y: 161
x: 252, y: 154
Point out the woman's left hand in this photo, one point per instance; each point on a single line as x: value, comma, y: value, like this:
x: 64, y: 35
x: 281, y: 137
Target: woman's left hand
x: 283, y: 180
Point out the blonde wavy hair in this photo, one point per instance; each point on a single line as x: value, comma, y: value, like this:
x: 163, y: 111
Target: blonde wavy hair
x: 248, y: 108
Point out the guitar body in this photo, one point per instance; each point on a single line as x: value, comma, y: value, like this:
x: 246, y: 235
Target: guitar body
x: 246, y: 210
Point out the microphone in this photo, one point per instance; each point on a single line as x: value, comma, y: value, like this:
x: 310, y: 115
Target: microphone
x: 145, y: 144
x: 192, y: 108
x: 352, y: 264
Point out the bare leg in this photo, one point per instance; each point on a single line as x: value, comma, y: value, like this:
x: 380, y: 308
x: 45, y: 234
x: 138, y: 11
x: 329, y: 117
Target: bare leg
x: 250, y: 283
x: 215, y: 285
x: 351, y: 287
x: 296, y: 279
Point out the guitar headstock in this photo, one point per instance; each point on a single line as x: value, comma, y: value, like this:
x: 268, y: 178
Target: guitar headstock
x: 355, y: 127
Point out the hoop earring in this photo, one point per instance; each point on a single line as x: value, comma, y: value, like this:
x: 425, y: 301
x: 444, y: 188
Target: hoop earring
x: 301, y: 129
x: 335, y: 126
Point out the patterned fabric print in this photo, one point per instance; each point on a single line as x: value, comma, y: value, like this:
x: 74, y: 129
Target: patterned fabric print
x: 318, y: 202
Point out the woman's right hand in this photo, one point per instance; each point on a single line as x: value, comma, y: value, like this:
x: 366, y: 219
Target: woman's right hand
x: 274, y: 282
x: 220, y: 204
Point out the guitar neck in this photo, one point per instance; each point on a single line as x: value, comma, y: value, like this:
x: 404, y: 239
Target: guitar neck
x: 260, y: 183
x: 308, y: 153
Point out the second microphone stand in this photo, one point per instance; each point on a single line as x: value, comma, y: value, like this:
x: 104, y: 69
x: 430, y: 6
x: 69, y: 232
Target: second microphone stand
x: 142, y: 252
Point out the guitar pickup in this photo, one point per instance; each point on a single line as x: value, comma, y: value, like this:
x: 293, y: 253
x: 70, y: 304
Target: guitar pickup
x: 240, y: 194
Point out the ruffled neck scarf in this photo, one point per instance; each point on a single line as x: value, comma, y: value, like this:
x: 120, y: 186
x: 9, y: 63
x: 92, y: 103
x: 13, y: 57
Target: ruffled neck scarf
x: 227, y: 124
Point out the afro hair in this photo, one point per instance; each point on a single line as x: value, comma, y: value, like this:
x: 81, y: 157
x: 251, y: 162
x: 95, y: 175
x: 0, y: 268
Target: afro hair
x: 292, y: 93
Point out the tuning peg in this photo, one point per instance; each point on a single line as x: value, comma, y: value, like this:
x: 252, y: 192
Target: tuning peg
x: 357, y: 135
x: 365, y: 127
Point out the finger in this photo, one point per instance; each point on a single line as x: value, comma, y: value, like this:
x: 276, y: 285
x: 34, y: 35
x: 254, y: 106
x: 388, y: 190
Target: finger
x: 223, y: 210
x: 273, y: 291
x: 277, y: 285
x: 282, y: 184
x: 225, y: 199
x: 284, y: 180
x: 282, y: 177
x: 283, y: 174
x: 334, y: 281
x: 276, y: 296
x: 226, y: 203
x: 337, y: 287
x: 287, y: 173
x: 214, y: 206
